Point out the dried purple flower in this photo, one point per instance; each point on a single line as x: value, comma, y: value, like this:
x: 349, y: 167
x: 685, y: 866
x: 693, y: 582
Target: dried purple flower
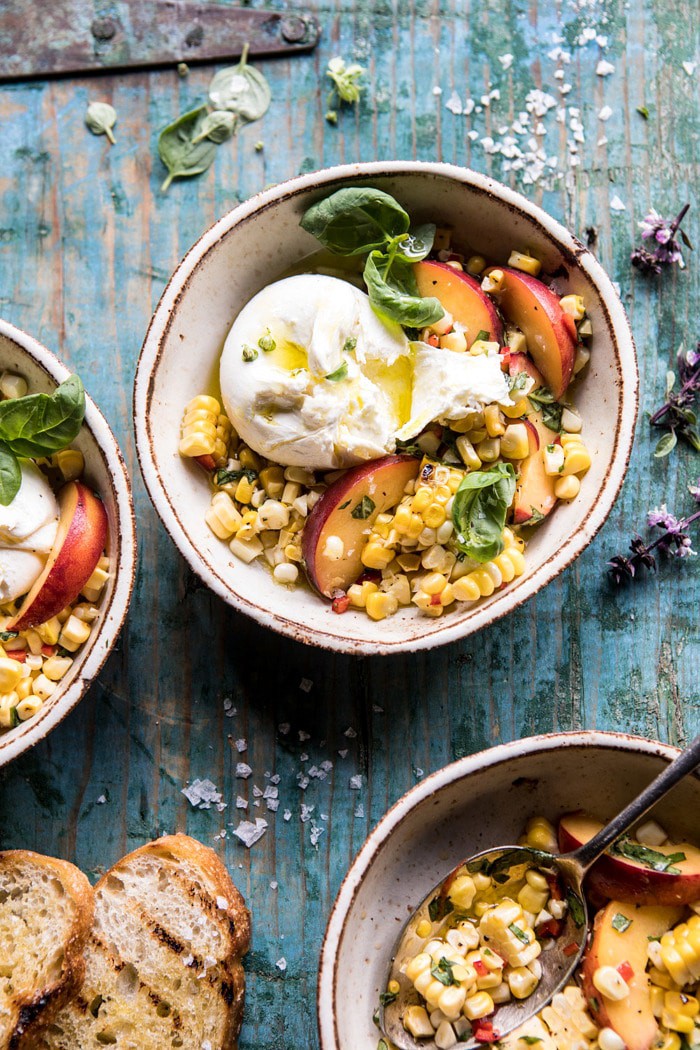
x: 667, y: 248
x: 677, y: 416
x: 674, y: 542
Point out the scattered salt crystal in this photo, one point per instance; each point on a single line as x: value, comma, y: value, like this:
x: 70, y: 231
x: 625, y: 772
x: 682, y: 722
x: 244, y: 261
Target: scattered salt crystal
x: 101, y: 800
x: 326, y: 765
x: 377, y: 709
x: 559, y: 74
x: 243, y: 770
x: 359, y: 810
x: 228, y: 703
x: 437, y: 90
x: 565, y: 89
x: 689, y: 67
x: 241, y: 745
x: 257, y: 793
x: 604, y: 68
x: 275, y: 778
x: 605, y: 113
x: 284, y: 728
x: 257, y: 803
x: 468, y: 107
x: 302, y: 781
x: 306, y: 685
x: 601, y: 41
x: 343, y: 753
x: 350, y: 733
x: 287, y: 815
x: 473, y: 135
x: 306, y: 812
x: 221, y: 903
x: 241, y: 803
x: 324, y: 816
x: 315, y: 834
x: 274, y: 884
x: 201, y: 794
x: 281, y: 964
x: 356, y: 782
x: 273, y: 804
x: 603, y: 141
x: 485, y: 100
x: 271, y: 791
x: 303, y: 736
x: 417, y: 772
x: 188, y: 960
x: 506, y: 60
x: 616, y: 204
x: 249, y: 833
x: 454, y: 104
x: 303, y: 757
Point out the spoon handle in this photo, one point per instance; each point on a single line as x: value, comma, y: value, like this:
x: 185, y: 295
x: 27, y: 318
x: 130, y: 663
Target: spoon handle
x: 686, y: 762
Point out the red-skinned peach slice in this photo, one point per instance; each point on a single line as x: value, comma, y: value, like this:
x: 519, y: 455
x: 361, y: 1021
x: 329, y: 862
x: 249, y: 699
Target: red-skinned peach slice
x: 550, y: 333
x: 383, y: 481
x: 522, y: 363
x: 626, y: 880
x: 80, y: 540
x: 632, y: 1017
x: 461, y: 296
x: 534, y: 492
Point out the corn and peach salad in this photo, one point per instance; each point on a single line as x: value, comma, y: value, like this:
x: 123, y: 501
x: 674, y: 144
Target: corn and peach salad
x: 637, y: 985
x: 413, y: 551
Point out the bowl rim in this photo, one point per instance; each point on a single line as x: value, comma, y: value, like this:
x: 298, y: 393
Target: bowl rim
x: 162, y: 319
x: 460, y: 770
x: 113, y: 615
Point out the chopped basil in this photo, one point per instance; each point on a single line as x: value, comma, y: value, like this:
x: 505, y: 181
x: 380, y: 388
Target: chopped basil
x: 620, y: 922
x: 594, y: 1004
x: 536, y: 516
x: 576, y: 909
x: 388, y: 997
x: 442, y: 972
x: 650, y: 858
x: 344, y: 505
x: 364, y: 508
x: 551, y: 410
x: 530, y: 1040
x: 439, y: 907
x: 520, y: 934
x: 340, y: 373
x: 249, y: 353
x: 14, y: 717
x: 6, y: 636
x: 643, y: 112
x: 517, y: 382
x: 227, y: 477
x: 349, y: 344
x: 382, y: 1045
x: 266, y: 342
x: 481, y: 334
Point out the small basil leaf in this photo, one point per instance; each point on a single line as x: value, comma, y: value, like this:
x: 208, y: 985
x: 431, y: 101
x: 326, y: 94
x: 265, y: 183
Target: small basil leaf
x: 356, y: 220
x: 100, y: 118
x: 479, y: 511
x: 180, y: 148
x: 419, y: 242
x: 217, y: 126
x: 393, y: 291
x: 364, y: 508
x: 41, y: 424
x: 242, y: 89
x: 665, y: 445
x: 10, y: 475
x: 340, y: 373
x: 670, y: 381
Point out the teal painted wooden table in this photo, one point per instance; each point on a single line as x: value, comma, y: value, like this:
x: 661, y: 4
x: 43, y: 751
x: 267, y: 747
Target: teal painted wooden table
x: 86, y: 244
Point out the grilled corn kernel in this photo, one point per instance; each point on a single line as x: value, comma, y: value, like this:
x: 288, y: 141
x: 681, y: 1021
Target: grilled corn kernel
x: 493, y: 422
x: 515, y: 443
x: 462, y: 892
x: 443, y: 325
x: 409, y: 562
x: 522, y: 982
x: 434, y: 515
x: 516, y: 341
x: 10, y: 674
x: 540, y: 834
x: 466, y: 589
x: 526, y: 263
x: 358, y: 593
x: 55, y: 667
x: 553, y: 458
x: 272, y: 480
x: 223, y: 517
x: 43, y: 687
x: 574, y: 306
x: 455, y: 341
x: 433, y: 583
x: 467, y: 453
x: 74, y: 633
x: 422, y: 962
x: 483, y: 346
x: 571, y: 421
x: 12, y: 385
x: 679, y: 1003
x: 610, y: 984
x: 475, y: 264
x: 567, y: 487
x: 246, y: 550
x: 422, y: 499
x: 423, y: 929
x: 577, y: 460
x: 677, y: 1022
x: 451, y: 1002
x: 244, y: 490
x: 417, y: 1022
x: 489, y: 450
x: 583, y: 356
x: 94, y: 585
x: 374, y: 556
x: 493, y: 282
x: 520, y: 408
x: 273, y: 515
x: 29, y: 707
x: 478, y: 1005
x: 380, y: 604
x: 70, y: 462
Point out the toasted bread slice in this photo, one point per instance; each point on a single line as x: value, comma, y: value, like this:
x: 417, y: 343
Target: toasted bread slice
x: 46, y: 908
x: 163, y: 962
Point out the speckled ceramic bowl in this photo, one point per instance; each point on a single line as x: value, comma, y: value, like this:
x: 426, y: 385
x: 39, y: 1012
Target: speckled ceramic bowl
x: 106, y: 473
x: 255, y: 244
x: 477, y: 802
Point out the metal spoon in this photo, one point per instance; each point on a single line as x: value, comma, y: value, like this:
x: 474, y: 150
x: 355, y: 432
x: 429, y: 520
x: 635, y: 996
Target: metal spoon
x: 509, y: 863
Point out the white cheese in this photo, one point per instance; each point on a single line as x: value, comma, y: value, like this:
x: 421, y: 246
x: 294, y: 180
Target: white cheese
x: 27, y: 533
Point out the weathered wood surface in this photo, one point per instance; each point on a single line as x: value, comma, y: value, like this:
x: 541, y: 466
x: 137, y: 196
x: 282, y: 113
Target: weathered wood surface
x: 86, y: 244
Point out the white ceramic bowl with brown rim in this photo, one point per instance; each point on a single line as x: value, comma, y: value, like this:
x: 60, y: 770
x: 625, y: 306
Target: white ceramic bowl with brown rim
x: 106, y: 473
x: 254, y: 245
x: 480, y: 801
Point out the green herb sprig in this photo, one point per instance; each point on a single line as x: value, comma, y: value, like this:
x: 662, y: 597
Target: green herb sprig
x: 677, y: 415
x: 37, y: 425
x: 367, y: 221
x: 551, y: 409
x: 650, y: 858
x: 346, y: 85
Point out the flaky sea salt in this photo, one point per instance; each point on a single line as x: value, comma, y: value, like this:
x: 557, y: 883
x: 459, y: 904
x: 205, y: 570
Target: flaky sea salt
x: 604, y: 68
x: 506, y: 60
x: 689, y: 67
x: 101, y: 800
x: 284, y: 728
x: 241, y: 745
x: 454, y: 104
x: 241, y: 803
x: 356, y: 782
x: 243, y: 770
x: 306, y: 685
x: 605, y: 113
x: 250, y: 833
x: 281, y: 964
x: 616, y: 204
x: 201, y: 794
x: 359, y: 810
x: 221, y: 903
x: 315, y: 834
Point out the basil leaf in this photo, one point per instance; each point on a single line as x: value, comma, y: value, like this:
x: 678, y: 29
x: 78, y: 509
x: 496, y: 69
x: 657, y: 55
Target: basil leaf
x: 227, y: 477
x: 665, y: 445
x: 363, y: 509
x: 180, y: 148
x: 217, y: 126
x: 100, y: 118
x: 620, y: 922
x: 393, y: 291
x: 551, y: 409
x: 6, y: 636
x: 576, y: 909
x: 340, y: 373
x: 10, y: 477
x: 650, y: 858
x: 439, y: 907
x: 242, y: 90
x: 442, y: 972
x: 479, y: 511
x: 356, y: 220
x: 388, y: 997
x: 517, y: 932
x: 41, y: 424
x: 530, y: 1040
x: 419, y: 242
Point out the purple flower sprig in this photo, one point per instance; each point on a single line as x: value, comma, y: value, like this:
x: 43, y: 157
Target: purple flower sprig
x: 677, y: 416
x: 667, y: 249
x: 674, y: 542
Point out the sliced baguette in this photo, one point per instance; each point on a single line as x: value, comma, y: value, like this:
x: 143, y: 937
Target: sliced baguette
x: 46, y: 908
x: 163, y: 962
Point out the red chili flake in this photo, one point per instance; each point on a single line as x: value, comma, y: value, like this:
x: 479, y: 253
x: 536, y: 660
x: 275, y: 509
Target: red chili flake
x: 571, y: 949
x: 480, y: 967
x: 555, y: 890
x: 48, y: 650
x: 207, y: 462
x: 551, y: 928
x: 484, y: 1033
x: 17, y: 654
x: 435, y: 599
x: 340, y: 604
x: 625, y: 971
x: 505, y: 360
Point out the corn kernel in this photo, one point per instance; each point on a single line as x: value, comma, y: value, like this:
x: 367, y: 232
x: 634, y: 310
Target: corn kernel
x: 475, y: 264
x: 454, y: 341
x: 583, y: 356
x: 55, y: 667
x: 417, y: 1022
x: 374, y: 556
x: 483, y: 581
x: 540, y: 834
x: 434, y: 515
x: 380, y: 604
x: 409, y: 562
x: 244, y: 490
x: 70, y: 462
x: 577, y: 461
x: 434, y: 583
x: 526, y: 263
x: 574, y: 306
x: 92, y: 588
x: 74, y: 633
x: 467, y: 453
x: 677, y: 1022
x: 12, y: 385
x: 553, y: 458
x: 571, y: 421
x: 489, y: 450
x: 358, y: 593
x: 520, y: 408
x: 29, y: 707
x: 272, y: 480
x: 515, y: 443
x: 465, y: 589
x: 423, y: 929
x: 516, y: 341
x: 567, y: 487
x: 422, y: 500
x: 493, y: 282
x: 493, y: 421
x: 10, y: 674
x: 610, y: 984
x: 478, y: 1005
x: 223, y: 517
x: 443, y: 325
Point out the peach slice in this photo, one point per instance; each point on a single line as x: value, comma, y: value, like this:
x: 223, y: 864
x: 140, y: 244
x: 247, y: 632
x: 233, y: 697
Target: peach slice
x: 80, y: 540
x: 550, y: 333
x: 346, y: 512
x: 522, y: 363
x: 462, y: 297
x: 626, y: 879
x: 612, y: 945
x: 534, y: 491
